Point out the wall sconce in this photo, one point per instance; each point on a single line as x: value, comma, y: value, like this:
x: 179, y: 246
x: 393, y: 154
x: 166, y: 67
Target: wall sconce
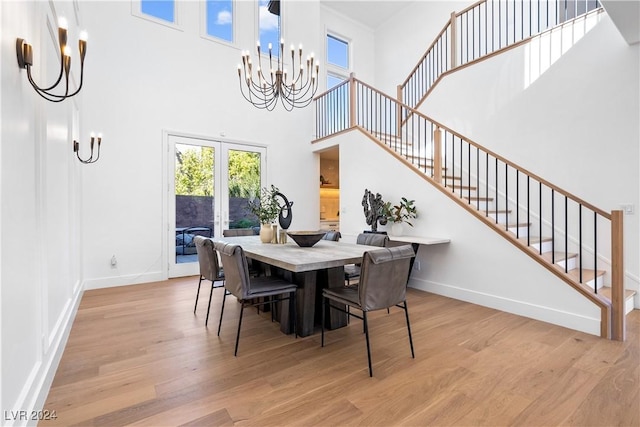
x: 24, y: 52
x: 94, y: 139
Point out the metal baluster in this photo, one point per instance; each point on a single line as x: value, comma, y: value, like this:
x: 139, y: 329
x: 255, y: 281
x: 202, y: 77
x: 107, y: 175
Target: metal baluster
x: 566, y: 236
x: 595, y: 252
x: 506, y: 196
x: 580, y: 239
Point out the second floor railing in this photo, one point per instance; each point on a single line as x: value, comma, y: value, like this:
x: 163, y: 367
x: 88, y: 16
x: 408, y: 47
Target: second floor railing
x: 582, y: 238
x: 482, y: 29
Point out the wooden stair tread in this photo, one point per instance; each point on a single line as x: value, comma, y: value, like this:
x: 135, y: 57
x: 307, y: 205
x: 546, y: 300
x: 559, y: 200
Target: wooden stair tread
x: 534, y: 239
x: 478, y: 198
x: 559, y: 255
x: 606, y: 291
x: 587, y: 274
x: 518, y: 224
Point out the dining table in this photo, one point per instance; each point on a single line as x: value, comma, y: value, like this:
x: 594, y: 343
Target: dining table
x: 311, y: 269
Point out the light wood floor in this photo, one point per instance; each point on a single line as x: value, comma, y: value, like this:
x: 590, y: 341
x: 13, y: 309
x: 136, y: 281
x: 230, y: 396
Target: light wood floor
x: 137, y: 355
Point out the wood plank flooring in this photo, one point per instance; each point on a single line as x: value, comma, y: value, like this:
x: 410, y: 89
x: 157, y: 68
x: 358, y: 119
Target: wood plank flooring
x: 137, y: 355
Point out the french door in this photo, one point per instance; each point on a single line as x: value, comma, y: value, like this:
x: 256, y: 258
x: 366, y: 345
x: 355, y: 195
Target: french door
x: 210, y: 183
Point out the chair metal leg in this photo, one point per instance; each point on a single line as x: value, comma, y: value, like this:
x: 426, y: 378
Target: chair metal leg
x: 322, y: 323
x: 406, y: 312
x: 206, y: 322
x: 224, y: 297
x: 366, y: 334
x: 239, y: 325
x: 197, y: 295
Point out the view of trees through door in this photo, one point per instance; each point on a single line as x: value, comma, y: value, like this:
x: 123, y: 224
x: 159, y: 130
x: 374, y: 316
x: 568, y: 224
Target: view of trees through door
x: 212, y: 184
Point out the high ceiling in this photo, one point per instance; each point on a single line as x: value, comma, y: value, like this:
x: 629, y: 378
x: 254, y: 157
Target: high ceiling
x: 370, y: 13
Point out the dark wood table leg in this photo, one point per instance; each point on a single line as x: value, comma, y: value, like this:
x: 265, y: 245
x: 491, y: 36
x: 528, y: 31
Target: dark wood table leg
x: 305, y: 297
x: 330, y: 278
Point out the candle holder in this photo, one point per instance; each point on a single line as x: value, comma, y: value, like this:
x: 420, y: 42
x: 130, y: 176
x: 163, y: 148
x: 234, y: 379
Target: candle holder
x: 24, y: 53
x: 92, y: 141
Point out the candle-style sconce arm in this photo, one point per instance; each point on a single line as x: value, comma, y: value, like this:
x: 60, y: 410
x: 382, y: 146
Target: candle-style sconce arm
x: 24, y: 53
x: 92, y: 142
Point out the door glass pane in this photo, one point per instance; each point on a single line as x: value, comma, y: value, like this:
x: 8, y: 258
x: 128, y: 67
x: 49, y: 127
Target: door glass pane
x: 244, y: 183
x: 194, y: 184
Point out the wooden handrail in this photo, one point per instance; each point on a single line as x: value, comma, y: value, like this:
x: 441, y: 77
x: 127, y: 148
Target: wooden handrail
x: 473, y: 6
x: 575, y: 198
x: 601, y: 302
x: 426, y: 53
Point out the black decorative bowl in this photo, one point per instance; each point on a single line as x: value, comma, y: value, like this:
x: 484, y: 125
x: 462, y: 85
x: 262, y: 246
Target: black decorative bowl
x: 306, y: 239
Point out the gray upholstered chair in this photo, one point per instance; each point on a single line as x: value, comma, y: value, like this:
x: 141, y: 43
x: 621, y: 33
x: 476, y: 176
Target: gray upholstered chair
x: 383, y: 284
x: 332, y: 235
x: 209, y: 269
x: 250, y: 290
x: 352, y: 271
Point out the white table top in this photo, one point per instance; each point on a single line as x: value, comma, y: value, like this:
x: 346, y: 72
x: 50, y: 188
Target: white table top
x: 290, y: 256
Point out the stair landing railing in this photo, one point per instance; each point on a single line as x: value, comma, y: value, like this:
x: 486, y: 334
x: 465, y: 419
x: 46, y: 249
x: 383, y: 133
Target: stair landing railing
x: 481, y: 30
x: 464, y: 170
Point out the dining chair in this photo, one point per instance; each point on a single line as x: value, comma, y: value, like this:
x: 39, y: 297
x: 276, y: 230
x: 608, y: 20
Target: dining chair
x: 352, y: 271
x: 332, y: 235
x: 209, y: 269
x: 383, y: 284
x: 250, y: 290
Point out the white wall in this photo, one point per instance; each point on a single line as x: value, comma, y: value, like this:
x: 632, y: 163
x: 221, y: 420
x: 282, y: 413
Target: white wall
x: 146, y: 78
x: 361, y: 43
x: 398, y: 52
x: 40, y: 268
x: 576, y: 125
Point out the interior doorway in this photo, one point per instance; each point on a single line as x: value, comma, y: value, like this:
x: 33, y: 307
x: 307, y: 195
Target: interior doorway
x: 330, y: 189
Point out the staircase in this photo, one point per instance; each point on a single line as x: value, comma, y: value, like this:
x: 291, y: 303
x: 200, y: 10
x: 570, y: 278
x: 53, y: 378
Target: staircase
x: 557, y: 229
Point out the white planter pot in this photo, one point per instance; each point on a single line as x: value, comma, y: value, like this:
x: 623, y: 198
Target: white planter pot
x: 396, y: 229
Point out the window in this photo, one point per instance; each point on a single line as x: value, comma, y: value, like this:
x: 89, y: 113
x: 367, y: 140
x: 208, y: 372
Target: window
x: 269, y: 26
x: 337, y: 52
x: 160, y: 9
x: 219, y: 16
x: 334, y: 80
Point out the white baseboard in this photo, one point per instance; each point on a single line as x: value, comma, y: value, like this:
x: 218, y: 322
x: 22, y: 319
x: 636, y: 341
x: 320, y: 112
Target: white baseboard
x: 521, y: 308
x: 132, y: 279
x: 34, y: 393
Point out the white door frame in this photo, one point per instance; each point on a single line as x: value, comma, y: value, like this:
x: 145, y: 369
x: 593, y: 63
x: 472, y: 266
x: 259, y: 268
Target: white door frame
x: 221, y: 197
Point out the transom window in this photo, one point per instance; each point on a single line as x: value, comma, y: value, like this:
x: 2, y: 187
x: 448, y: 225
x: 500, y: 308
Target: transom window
x: 269, y: 26
x: 164, y: 10
x: 337, y: 52
x: 219, y: 19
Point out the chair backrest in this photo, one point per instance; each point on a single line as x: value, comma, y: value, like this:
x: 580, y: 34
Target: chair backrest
x: 207, y: 258
x: 372, y: 239
x: 234, y: 232
x: 383, y: 277
x: 332, y: 235
x: 236, y: 270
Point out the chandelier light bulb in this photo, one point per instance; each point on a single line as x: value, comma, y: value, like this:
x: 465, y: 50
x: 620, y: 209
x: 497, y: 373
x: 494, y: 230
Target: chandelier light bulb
x: 62, y: 23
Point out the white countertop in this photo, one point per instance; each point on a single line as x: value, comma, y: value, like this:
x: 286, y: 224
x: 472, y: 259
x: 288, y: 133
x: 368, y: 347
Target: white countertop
x: 423, y: 240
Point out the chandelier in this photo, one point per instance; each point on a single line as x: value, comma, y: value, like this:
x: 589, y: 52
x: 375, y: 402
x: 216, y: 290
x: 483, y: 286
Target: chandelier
x: 264, y: 90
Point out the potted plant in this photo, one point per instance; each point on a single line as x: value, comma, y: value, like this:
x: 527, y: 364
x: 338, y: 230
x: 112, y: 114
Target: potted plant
x: 397, y: 214
x: 266, y: 209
